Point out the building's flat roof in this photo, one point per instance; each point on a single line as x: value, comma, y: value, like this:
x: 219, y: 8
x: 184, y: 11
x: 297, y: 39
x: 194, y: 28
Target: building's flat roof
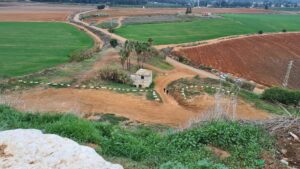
x: 144, y: 72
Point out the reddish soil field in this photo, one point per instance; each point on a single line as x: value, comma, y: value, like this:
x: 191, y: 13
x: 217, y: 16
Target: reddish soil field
x: 117, y: 12
x: 263, y: 59
x: 37, y: 11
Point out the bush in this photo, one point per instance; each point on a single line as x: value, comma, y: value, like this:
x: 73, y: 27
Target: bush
x: 111, y: 30
x: 243, y: 83
x: 113, y: 43
x: 99, y: 7
x: 115, y: 75
x: 247, y: 85
x: 204, y: 67
x: 284, y: 30
x: 79, y: 56
x: 260, y: 32
x: 281, y: 95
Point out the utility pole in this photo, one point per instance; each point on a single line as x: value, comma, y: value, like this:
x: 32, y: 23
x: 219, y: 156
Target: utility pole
x: 287, y: 75
x: 198, y: 4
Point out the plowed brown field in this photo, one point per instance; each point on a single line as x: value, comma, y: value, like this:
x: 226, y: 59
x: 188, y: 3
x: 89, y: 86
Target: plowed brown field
x: 263, y: 58
x: 37, y: 11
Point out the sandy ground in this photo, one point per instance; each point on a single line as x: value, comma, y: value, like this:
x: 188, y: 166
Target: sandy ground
x: 88, y: 102
x: 33, y: 12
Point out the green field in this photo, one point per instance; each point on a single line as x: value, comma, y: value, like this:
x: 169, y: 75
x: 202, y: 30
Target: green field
x: 30, y: 47
x: 230, y: 24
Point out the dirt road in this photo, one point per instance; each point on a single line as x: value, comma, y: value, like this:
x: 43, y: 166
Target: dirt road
x: 112, y: 35
x: 88, y: 102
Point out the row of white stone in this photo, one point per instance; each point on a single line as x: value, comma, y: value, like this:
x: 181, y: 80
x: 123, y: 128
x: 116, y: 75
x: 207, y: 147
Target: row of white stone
x: 212, y: 87
x: 155, y: 96
x: 92, y: 87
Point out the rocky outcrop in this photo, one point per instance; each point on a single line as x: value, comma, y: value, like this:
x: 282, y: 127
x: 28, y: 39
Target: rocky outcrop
x: 31, y: 149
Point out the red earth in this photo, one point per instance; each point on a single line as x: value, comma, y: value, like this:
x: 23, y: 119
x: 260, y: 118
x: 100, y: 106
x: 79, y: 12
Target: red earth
x: 262, y: 58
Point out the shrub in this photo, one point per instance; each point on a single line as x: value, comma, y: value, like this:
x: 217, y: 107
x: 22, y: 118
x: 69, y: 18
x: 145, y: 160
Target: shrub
x: 111, y: 30
x: 113, y: 119
x: 81, y: 55
x: 284, y: 30
x: 113, y: 43
x: 115, y: 75
x: 247, y: 85
x: 99, y: 7
x: 281, y: 95
x: 243, y: 83
x: 204, y: 67
x: 260, y: 32
x: 150, y: 41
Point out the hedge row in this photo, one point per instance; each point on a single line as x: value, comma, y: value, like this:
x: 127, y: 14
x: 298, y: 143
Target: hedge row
x: 281, y: 95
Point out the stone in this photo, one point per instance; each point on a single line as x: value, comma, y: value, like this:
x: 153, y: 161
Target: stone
x: 30, y: 148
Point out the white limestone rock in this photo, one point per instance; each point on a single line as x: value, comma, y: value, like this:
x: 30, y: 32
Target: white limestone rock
x: 31, y: 149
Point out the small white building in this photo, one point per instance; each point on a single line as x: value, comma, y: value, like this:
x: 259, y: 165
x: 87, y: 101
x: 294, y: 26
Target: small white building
x: 142, y: 78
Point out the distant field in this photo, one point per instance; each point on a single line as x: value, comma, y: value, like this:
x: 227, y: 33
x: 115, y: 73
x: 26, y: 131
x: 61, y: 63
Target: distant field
x: 286, y: 9
x: 30, y: 47
x: 230, y: 24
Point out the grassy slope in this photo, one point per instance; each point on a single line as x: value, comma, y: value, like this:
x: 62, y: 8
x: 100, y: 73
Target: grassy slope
x: 231, y: 24
x: 30, y: 47
x: 153, y: 147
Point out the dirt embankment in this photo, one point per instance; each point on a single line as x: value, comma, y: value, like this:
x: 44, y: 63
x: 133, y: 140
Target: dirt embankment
x: 263, y: 59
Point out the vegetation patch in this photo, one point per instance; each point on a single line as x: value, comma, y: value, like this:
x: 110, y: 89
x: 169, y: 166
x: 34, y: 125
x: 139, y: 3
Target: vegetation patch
x: 230, y: 24
x: 160, y: 62
x: 281, y: 95
x: 151, y: 148
x: 109, y: 24
x: 27, y: 47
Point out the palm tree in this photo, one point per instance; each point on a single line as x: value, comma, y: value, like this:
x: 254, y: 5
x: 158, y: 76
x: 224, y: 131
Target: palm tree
x: 123, y: 57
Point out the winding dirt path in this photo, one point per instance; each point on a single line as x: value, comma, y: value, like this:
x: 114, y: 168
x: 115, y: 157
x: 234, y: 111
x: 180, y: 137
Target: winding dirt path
x: 88, y: 102
x: 120, y: 19
x: 112, y: 35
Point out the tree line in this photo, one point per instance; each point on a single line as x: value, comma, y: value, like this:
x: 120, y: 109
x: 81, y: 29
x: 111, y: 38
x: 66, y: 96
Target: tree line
x: 116, y: 2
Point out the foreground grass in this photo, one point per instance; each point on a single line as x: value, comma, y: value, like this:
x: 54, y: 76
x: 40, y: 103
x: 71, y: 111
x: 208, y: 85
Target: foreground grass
x: 147, y: 147
x: 230, y: 24
x: 29, y: 47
